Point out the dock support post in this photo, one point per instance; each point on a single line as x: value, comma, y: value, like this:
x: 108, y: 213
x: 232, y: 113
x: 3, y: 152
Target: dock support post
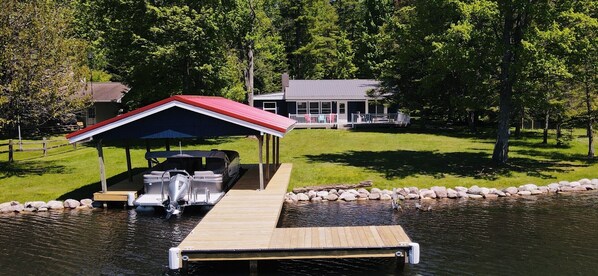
x: 260, y: 140
x: 102, y: 167
x: 147, y: 149
x: 185, y: 267
x: 253, y: 267
x: 174, y: 258
x: 267, y: 156
x: 277, y: 151
x: 128, y: 155
x: 400, y: 258
x: 167, y: 144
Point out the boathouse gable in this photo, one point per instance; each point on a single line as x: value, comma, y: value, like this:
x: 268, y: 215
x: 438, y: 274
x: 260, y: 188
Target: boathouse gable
x: 186, y: 117
x: 173, y: 123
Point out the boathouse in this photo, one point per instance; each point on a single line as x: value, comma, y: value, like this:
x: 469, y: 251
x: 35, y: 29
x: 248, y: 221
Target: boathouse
x: 183, y: 117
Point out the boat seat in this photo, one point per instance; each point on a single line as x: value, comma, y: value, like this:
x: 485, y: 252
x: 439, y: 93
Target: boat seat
x: 203, y: 173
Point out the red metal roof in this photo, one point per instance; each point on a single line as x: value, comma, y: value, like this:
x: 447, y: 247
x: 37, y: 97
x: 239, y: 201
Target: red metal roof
x: 241, y: 114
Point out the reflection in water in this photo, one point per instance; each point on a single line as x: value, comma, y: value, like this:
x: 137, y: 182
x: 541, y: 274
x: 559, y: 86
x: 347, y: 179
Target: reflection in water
x: 516, y: 236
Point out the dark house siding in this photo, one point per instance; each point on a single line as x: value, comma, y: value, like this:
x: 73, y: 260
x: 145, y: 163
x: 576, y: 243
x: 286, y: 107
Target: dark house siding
x: 281, y: 106
x: 291, y: 108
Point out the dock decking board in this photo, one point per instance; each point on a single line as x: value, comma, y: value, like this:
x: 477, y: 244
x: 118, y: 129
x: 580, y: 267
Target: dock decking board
x: 242, y: 226
x: 120, y: 191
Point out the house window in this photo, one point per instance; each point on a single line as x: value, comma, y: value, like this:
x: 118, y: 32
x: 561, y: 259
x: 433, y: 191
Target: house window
x: 341, y: 108
x: 91, y: 112
x: 301, y: 107
x: 270, y: 107
x: 314, y: 107
x: 326, y: 107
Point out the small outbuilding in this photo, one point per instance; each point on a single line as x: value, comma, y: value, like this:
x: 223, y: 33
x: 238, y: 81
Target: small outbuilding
x: 106, y: 98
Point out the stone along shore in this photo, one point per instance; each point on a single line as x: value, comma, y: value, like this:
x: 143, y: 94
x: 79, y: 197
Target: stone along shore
x: 41, y: 206
x: 439, y: 192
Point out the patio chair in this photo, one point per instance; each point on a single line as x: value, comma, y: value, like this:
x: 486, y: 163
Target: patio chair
x: 321, y: 118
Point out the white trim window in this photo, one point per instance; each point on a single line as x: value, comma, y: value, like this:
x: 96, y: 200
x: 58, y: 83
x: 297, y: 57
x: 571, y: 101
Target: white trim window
x: 314, y: 107
x: 326, y: 108
x: 270, y: 107
x: 301, y: 107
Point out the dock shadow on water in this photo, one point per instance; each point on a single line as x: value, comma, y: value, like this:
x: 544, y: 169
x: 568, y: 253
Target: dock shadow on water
x: 549, y: 235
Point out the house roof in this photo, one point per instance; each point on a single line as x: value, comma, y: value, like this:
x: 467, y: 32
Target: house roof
x: 329, y: 89
x: 105, y: 91
x: 187, y: 117
x: 269, y: 97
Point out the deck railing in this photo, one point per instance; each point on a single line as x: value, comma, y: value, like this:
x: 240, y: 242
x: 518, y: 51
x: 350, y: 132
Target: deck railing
x: 330, y: 119
x: 400, y: 119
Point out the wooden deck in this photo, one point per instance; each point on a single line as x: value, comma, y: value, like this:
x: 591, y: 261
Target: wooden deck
x: 120, y: 191
x: 242, y: 226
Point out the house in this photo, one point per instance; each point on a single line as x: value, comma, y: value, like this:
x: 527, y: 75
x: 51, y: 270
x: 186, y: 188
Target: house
x: 106, y: 98
x: 330, y: 103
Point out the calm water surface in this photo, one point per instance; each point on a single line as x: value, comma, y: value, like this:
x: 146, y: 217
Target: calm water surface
x: 553, y: 235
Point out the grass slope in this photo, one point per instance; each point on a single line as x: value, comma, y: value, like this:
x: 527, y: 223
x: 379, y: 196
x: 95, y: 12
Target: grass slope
x: 388, y: 157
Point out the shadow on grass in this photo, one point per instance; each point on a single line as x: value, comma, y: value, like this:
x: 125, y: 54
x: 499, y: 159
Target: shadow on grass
x: 402, y: 163
x: 455, y: 132
x: 88, y: 190
x: 553, y: 155
x: 29, y: 168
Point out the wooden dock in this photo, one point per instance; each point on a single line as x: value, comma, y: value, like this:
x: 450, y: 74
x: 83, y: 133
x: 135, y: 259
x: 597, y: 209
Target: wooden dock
x: 121, y: 191
x: 242, y: 226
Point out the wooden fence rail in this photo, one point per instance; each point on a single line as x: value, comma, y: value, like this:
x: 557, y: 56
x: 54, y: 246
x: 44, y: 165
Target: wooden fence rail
x: 45, y: 147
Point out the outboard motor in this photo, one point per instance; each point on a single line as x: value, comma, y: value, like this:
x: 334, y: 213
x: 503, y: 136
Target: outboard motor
x: 177, y: 189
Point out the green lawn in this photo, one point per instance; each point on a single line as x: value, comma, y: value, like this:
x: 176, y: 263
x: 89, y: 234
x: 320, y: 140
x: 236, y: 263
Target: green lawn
x: 388, y: 157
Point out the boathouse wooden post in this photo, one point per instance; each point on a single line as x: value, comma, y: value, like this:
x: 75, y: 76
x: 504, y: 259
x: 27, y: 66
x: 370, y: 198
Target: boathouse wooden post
x: 102, y: 167
x: 267, y: 156
x: 167, y: 144
x: 147, y: 149
x: 129, y: 167
x: 278, y: 151
x: 260, y: 139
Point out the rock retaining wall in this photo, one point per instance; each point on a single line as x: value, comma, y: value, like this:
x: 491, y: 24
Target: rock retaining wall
x: 41, y: 206
x: 437, y: 192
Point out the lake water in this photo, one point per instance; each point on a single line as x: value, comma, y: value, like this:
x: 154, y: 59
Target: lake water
x: 552, y: 235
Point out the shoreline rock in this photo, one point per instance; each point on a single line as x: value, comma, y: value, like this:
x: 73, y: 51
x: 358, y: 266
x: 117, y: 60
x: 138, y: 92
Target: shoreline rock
x: 529, y: 190
x: 41, y: 206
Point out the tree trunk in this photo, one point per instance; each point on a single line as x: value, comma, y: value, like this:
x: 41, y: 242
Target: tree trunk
x: 501, y: 148
x: 519, y: 125
x: 471, y: 120
x: 559, y: 132
x: 590, y: 122
x: 546, y: 119
x: 249, y: 80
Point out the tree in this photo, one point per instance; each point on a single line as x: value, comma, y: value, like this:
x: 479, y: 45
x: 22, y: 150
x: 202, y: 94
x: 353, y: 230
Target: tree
x: 515, y: 18
x: 316, y: 47
x: 434, y: 64
x: 257, y: 36
x: 362, y: 20
x: 174, y: 47
x: 42, y: 64
x: 581, y: 23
